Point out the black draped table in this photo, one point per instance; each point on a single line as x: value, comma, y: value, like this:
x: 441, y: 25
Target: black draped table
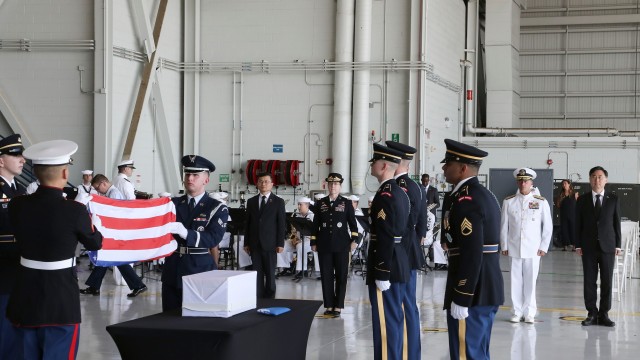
x: 248, y: 335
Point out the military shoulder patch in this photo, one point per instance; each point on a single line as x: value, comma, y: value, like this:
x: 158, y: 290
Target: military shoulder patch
x: 381, y: 215
x: 462, y: 282
x: 539, y: 197
x: 466, y: 228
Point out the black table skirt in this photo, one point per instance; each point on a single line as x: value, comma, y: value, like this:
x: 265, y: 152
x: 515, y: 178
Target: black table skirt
x: 248, y: 335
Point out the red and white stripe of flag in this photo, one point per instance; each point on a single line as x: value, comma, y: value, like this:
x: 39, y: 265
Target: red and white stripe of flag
x: 132, y: 230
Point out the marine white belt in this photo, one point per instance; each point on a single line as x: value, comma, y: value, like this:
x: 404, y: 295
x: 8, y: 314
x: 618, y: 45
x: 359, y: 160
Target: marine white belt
x: 48, y: 265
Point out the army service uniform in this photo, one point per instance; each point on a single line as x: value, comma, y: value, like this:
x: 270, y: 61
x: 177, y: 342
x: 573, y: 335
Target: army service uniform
x: 334, y: 228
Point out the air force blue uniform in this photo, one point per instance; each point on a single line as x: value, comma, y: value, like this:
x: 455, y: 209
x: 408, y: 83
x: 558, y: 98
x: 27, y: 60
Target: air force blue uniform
x: 472, y: 234
x: 206, y: 225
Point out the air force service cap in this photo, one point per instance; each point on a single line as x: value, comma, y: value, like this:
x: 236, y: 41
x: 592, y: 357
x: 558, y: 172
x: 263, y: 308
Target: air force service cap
x: 457, y: 151
x: 407, y: 151
x: 192, y: 164
x: 11, y: 145
x: 524, y: 174
x: 53, y: 152
x: 381, y: 152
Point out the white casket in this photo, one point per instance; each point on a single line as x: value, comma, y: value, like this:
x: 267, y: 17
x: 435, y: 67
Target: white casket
x: 218, y: 293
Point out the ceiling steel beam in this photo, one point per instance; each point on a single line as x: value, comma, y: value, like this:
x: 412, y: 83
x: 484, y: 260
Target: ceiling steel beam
x: 580, y: 20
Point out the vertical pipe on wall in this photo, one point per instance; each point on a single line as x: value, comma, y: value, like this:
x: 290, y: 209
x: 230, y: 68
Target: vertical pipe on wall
x: 420, y: 161
x: 361, y: 80
x: 470, y: 57
x: 102, y: 99
x: 342, y: 93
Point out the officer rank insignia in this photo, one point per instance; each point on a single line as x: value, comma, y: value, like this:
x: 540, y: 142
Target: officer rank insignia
x: 466, y: 228
x: 382, y: 215
x: 462, y: 282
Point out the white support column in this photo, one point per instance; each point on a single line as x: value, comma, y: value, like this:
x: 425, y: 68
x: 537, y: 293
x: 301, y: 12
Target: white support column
x: 102, y: 99
x: 361, y: 81
x: 342, y: 93
x: 143, y: 27
x: 502, y: 46
x: 191, y: 100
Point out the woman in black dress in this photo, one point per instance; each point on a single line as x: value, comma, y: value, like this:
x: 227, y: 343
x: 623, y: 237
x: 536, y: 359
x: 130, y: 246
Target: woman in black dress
x: 566, y: 203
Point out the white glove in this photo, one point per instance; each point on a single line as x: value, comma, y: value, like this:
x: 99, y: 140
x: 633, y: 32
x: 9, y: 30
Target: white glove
x: 178, y: 229
x: 459, y: 312
x: 83, y: 198
x: 383, y: 285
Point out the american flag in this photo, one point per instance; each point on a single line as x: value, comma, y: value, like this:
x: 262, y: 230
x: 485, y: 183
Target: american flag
x: 133, y: 230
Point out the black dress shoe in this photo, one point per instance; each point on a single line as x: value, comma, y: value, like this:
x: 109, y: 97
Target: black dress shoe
x: 137, y: 291
x: 328, y: 312
x: 605, y: 321
x: 590, y: 320
x: 90, y: 291
x: 335, y: 314
x: 297, y: 276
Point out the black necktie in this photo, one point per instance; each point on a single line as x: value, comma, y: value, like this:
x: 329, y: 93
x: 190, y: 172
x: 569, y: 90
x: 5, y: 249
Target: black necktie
x: 263, y: 202
x: 192, y: 204
x: 13, y: 186
x: 598, y: 205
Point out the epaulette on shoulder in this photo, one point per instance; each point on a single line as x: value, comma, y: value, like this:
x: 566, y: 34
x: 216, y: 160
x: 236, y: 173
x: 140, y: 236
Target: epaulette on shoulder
x: 539, y: 197
x: 510, y: 197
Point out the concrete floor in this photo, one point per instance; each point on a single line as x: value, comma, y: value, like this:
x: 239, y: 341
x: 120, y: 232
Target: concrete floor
x: 559, y: 294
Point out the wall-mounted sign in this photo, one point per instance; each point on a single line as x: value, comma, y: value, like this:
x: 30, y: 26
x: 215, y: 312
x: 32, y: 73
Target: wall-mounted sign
x: 278, y: 148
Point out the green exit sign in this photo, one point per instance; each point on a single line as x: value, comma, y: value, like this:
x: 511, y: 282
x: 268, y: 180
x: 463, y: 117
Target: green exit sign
x: 415, y: 178
x: 395, y: 137
x: 224, y: 178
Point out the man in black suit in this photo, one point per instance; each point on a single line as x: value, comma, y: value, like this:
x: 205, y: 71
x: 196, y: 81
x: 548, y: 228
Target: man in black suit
x: 433, y: 201
x: 598, y: 239
x: 265, y: 229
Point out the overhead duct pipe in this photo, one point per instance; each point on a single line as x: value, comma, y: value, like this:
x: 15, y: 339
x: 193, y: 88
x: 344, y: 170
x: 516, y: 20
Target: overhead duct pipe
x: 342, y: 91
x: 361, y: 80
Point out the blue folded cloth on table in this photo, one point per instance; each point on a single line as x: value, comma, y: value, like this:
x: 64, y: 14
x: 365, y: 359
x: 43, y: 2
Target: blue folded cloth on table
x: 274, y: 311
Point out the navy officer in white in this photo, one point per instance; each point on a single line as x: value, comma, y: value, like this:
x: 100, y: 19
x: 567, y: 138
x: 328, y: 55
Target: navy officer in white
x: 526, y: 228
x: 200, y: 225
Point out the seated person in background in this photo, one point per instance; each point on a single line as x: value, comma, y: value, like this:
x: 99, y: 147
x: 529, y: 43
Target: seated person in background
x: 226, y: 238
x: 355, y: 200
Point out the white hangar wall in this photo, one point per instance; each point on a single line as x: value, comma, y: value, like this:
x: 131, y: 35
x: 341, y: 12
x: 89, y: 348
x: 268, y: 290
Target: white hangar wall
x: 40, y: 94
x: 294, y: 107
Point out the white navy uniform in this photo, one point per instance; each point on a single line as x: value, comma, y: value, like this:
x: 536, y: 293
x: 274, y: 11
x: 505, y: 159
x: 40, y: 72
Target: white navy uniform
x: 86, y: 189
x: 125, y: 186
x: 525, y: 228
x: 286, y: 257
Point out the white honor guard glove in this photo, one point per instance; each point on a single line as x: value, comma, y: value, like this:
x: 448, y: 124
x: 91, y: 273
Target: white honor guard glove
x: 383, y: 285
x: 83, y: 198
x: 178, y: 229
x: 459, y: 312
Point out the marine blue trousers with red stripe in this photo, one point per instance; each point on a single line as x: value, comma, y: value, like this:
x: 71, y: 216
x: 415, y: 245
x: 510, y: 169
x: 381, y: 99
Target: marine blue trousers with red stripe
x: 387, y: 318
x: 48, y: 342
x: 469, y: 338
